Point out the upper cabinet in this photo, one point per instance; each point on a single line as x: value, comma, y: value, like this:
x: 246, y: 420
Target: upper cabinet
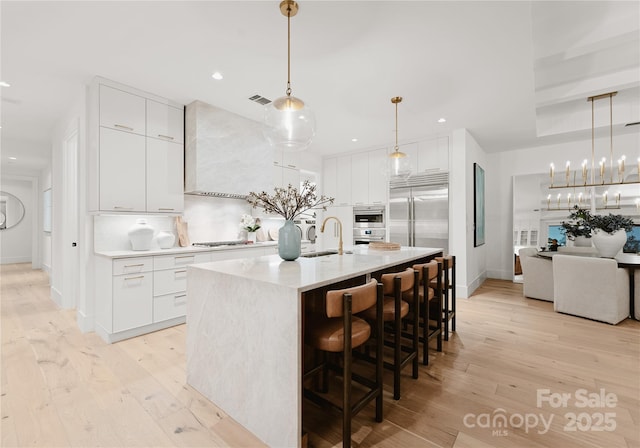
x: 121, y: 110
x: 136, y: 151
x: 165, y: 122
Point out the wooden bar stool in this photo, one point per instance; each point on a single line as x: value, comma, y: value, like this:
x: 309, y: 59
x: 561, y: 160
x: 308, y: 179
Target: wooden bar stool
x: 340, y: 332
x: 448, y: 292
x: 394, y: 311
x: 430, y: 316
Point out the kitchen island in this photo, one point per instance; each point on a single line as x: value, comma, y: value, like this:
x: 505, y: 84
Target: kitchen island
x: 245, y: 330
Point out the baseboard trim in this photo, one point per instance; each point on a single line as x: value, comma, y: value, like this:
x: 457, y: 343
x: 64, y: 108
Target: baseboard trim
x: 56, y: 296
x: 85, y: 323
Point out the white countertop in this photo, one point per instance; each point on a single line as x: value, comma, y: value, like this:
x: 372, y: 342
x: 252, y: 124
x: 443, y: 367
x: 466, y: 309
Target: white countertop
x: 178, y: 250
x: 304, y: 274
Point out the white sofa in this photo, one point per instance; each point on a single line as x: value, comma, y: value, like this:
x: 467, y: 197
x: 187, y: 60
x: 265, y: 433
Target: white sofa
x: 537, y: 275
x: 590, y: 287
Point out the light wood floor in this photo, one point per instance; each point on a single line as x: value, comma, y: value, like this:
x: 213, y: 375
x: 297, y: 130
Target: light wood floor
x: 63, y: 388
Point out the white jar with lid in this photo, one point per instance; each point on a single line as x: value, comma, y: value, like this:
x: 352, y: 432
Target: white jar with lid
x: 141, y: 235
x: 165, y: 239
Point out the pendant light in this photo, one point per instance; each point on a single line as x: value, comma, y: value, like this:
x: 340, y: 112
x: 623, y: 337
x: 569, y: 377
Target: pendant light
x: 398, y: 161
x: 289, y: 123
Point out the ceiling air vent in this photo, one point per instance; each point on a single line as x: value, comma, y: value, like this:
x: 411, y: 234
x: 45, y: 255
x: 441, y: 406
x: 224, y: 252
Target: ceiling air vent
x: 260, y: 99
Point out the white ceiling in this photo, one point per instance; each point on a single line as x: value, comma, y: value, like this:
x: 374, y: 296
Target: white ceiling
x: 516, y: 74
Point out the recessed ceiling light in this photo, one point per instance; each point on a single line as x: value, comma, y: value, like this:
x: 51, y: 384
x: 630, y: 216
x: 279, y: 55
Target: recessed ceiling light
x: 13, y: 158
x: 442, y: 120
x: 217, y: 76
x: 354, y: 139
x: 4, y: 84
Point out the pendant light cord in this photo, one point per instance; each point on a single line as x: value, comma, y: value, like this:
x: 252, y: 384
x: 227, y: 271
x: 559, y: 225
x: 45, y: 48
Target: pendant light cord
x: 288, y: 50
x: 396, y: 148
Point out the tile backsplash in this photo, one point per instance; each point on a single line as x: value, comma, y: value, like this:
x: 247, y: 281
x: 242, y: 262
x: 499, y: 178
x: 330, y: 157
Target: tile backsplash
x: 208, y: 218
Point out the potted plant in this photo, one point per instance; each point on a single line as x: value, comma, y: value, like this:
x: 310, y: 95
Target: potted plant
x: 610, y: 233
x: 250, y: 224
x: 289, y: 203
x: 579, y: 229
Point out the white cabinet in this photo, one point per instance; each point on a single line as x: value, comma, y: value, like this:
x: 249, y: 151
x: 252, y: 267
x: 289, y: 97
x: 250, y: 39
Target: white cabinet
x: 136, y: 151
x: 122, y: 153
x: 343, y: 181
x: 170, y: 284
x: 165, y: 122
x: 360, y: 179
x: 330, y: 173
x: 132, y: 300
x: 433, y: 154
x: 337, y: 179
x: 378, y: 178
x: 121, y: 110
x: 165, y: 176
x: 286, y: 170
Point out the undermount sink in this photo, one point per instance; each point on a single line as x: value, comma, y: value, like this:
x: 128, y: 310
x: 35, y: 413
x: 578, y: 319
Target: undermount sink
x: 323, y: 253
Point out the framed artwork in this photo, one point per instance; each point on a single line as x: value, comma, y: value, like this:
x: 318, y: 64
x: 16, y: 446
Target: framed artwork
x: 478, y: 205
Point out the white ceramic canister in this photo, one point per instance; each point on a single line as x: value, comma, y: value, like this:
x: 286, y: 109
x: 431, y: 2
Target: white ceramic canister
x: 165, y: 239
x: 141, y: 235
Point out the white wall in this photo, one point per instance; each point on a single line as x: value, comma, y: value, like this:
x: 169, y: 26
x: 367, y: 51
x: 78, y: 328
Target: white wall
x: 16, y: 243
x: 500, y: 169
x: 470, y: 260
x: 45, y: 258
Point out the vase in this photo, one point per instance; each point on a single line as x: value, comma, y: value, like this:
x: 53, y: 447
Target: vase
x: 165, y: 239
x: 289, y: 240
x: 582, y: 241
x: 141, y: 235
x: 609, y: 244
x: 251, y: 236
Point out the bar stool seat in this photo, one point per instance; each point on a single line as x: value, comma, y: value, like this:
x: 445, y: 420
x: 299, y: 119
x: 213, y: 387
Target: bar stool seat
x: 329, y: 336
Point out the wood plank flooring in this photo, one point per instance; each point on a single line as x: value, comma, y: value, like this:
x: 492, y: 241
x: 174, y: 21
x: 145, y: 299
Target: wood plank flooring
x: 62, y: 388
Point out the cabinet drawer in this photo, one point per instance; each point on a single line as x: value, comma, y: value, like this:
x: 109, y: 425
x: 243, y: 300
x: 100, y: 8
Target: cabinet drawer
x: 132, y: 265
x: 169, y: 306
x: 169, y: 281
x: 132, y: 301
x: 179, y: 260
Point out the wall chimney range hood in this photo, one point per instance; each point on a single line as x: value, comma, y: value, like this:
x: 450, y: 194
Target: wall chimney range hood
x: 226, y: 155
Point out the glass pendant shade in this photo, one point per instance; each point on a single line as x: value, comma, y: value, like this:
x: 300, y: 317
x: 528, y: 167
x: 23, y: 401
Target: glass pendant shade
x: 399, y: 164
x: 290, y: 125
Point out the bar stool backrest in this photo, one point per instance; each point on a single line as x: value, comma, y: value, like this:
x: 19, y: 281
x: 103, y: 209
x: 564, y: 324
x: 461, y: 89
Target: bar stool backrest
x: 362, y: 297
x: 432, y: 269
x: 406, y: 281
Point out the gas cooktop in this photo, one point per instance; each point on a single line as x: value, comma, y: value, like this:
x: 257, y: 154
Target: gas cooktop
x: 220, y: 243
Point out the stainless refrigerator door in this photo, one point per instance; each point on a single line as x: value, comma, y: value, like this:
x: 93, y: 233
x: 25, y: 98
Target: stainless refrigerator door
x: 399, y: 224
x: 431, y: 217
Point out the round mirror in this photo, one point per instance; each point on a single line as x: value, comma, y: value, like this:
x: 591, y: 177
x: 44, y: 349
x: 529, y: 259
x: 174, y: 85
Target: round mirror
x: 11, y: 210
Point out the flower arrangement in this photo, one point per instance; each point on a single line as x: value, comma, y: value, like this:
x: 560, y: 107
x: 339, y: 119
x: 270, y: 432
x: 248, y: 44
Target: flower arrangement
x: 581, y: 225
x: 290, y: 202
x: 249, y: 223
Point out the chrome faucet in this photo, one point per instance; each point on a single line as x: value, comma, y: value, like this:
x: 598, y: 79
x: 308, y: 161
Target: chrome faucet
x: 340, y: 235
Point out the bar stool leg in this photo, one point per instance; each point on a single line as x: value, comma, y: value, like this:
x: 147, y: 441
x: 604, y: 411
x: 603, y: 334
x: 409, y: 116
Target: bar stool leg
x: 453, y: 292
x: 397, y: 349
x: 445, y: 296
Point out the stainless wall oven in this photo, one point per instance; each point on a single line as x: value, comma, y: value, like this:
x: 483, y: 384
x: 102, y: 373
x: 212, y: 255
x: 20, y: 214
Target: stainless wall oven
x: 369, y: 224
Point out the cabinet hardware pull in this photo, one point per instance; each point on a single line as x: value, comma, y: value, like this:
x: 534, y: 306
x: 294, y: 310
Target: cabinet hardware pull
x: 134, y: 278
x: 133, y: 265
x: 185, y: 256
x: 168, y: 137
x: 165, y: 208
x: 119, y: 207
x: 181, y: 271
x: 291, y: 166
x: 121, y: 126
x: 180, y: 296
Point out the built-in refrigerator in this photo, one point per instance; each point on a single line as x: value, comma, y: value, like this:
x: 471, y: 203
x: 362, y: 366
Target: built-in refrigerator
x: 419, y: 211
